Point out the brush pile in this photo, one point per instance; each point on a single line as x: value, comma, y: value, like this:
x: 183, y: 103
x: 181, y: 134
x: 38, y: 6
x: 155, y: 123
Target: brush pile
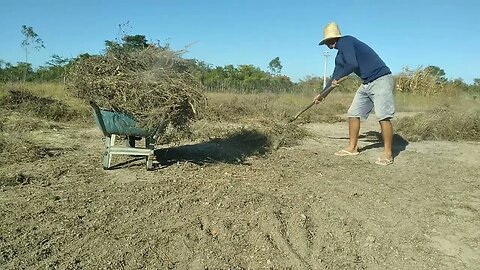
x: 151, y: 84
x: 441, y: 123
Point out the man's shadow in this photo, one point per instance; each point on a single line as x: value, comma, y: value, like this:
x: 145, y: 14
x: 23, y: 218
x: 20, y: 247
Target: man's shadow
x: 399, y: 144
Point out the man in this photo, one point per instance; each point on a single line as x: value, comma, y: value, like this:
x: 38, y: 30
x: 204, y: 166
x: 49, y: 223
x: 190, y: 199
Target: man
x: 376, y: 90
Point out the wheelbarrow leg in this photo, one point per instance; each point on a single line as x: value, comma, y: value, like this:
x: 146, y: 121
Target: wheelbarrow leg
x: 150, y: 144
x: 107, y: 155
x: 131, y: 141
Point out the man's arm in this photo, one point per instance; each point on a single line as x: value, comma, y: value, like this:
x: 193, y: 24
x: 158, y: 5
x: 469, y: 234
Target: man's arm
x: 331, y: 84
x: 349, y: 58
x: 328, y: 84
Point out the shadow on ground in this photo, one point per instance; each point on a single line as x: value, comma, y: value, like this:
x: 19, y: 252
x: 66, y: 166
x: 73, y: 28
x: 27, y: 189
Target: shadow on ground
x: 375, y: 137
x: 233, y: 149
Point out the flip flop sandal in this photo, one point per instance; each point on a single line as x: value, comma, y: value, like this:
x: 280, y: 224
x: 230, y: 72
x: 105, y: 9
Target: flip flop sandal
x: 384, y: 161
x: 344, y: 152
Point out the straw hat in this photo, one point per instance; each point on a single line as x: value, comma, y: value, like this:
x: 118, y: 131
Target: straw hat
x: 330, y: 31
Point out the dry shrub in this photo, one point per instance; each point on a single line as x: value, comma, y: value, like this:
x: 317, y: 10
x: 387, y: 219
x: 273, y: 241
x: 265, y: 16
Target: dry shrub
x: 441, y: 123
x: 423, y: 82
x: 151, y: 84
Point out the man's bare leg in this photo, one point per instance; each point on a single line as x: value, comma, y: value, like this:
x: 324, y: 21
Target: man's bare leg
x: 353, y: 131
x: 387, y: 135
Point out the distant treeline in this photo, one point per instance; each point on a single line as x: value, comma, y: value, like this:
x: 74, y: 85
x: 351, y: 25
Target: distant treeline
x: 242, y: 78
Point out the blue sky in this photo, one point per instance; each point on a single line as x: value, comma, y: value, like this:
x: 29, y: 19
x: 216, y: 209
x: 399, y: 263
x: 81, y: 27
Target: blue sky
x: 444, y: 33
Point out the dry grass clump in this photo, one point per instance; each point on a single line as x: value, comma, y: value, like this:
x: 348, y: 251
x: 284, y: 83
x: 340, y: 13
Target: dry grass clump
x: 228, y: 107
x: 441, y: 123
x: 276, y: 133
x: 56, y: 91
x: 283, y: 134
x: 18, y: 142
x: 325, y: 112
x: 19, y: 99
x: 151, y: 84
x: 19, y: 148
x: 15, y: 179
x: 279, y: 133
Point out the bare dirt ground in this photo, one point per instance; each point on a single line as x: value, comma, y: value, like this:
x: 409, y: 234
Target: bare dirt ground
x: 218, y: 206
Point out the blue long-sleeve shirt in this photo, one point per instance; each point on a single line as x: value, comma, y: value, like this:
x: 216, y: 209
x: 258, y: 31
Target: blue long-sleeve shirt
x: 357, y: 57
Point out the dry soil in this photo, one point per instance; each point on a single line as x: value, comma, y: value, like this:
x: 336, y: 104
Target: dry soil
x: 219, y: 206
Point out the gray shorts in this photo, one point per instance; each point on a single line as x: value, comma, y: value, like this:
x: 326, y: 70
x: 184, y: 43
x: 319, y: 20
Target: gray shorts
x: 377, y: 94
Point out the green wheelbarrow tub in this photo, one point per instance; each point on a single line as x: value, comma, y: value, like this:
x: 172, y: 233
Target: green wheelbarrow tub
x: 120, y: 124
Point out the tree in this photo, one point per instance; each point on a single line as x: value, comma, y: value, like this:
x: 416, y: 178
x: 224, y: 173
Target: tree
x: 476, y: 82
x: 57, y: 67
x: 436, y: 71
x: 475, y: 88
x: 11, y: 73
x: 128, y: 44
x: 31, y: 38
x: 310, y: 83
x: 458, y: 84
x: 135, y: 42
x: 275, y: 66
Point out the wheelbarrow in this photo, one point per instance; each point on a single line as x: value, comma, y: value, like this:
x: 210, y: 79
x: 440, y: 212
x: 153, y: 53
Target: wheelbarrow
x: 114, y: 124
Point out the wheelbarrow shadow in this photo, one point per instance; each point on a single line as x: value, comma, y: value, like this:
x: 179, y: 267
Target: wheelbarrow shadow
x: 399, y: 143
x: 233, y: 149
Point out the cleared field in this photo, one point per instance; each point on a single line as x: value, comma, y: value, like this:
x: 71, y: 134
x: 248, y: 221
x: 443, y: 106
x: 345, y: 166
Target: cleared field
x: 243, y: 190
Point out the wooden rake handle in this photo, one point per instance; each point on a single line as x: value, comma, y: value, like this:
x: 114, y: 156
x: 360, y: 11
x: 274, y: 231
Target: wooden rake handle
x: 304, y: 110
x: 325, y: 92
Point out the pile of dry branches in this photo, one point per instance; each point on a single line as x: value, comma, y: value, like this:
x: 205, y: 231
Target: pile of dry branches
x: 151, y: 84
